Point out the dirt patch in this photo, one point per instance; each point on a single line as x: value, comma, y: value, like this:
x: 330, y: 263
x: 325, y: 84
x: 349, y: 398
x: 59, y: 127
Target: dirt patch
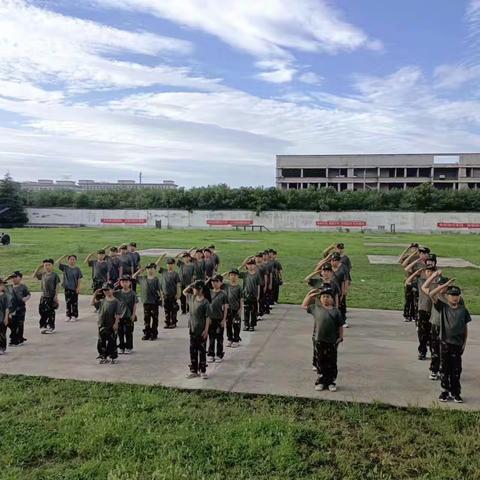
x: 385, y: 244
x: 156, y: 252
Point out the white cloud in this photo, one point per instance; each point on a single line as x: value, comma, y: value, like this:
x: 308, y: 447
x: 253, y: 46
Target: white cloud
x: 311, y: 78
x: 41, y: 46
x: 275, y: 71
x: 268, y: 29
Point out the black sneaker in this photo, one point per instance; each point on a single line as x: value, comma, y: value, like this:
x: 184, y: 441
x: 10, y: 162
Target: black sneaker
x: 246, y: 329
x: 445, y: 396
x: 251, y: 329
x: 422, y: 356
x: 145, y: 337
x: 457, y: 399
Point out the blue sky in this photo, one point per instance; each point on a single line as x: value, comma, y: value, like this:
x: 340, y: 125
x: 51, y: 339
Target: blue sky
x: 209, y: 91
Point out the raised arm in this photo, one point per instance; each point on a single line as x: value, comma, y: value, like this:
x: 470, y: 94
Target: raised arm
x: 309, y: 297
x: 328, y: 249
x: 436, y: 291
x: 429, y: 280
x: 89, y: 257
x: 37, y: 271
x: 138, y: 272
x: 412, y: 277
x: 308, y: 277
x: 408, y: 261
x: 160, y: 258
x: 59, y: 260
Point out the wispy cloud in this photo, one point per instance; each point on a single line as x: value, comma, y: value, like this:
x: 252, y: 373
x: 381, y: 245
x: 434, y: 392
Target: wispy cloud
x: 270, y: 30
x: 38, y: 45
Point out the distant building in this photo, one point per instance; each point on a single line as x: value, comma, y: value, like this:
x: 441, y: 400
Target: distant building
x: 378, y: 172
x: 91, y: 185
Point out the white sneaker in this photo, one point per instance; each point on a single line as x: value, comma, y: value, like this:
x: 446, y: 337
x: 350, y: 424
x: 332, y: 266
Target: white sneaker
x: 128, y: 351
x: 229, y: 344
x: 319, y: 387
x: 314, y: 368
x: 235, y: 344
x: 346, y: 325
x: 191, y: 375
x: 219, y: 360
x: 332, y: 387
x: 2, y: 352
x: 259, y: 319
x: 204, y: 375
x: 68, y: 319
x: 73, y: 319
x: 43, y: 330
x: 434, y: 376
x: 210, y: 359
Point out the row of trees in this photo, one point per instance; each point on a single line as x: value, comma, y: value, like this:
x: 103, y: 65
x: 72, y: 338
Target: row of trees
x: 424, y: 198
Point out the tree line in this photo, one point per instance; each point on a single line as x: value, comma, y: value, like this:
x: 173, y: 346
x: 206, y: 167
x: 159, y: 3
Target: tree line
x: 424, y: 198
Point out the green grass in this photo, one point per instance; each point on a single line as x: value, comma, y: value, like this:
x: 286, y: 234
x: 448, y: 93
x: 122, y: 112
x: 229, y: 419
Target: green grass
x: 375, y: 286
x: 62, y: 429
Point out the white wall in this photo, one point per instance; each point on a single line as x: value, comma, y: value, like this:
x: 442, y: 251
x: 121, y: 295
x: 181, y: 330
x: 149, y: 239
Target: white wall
x: 274, y: 220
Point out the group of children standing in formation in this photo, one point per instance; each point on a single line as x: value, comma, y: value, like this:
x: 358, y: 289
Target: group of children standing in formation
x: 190, y: 282
x: 437, y: 307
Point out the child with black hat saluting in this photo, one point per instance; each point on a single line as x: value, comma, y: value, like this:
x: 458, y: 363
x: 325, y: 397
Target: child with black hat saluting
x: 128, y: 300
x: 170, y: 283
x: 151, y: 298
x: 49, y: 298
x: 454, y: 319
x: 327, y: 334
x: 217, y: 312
x: 198, y: 325
x: 109, y: 313
x: 19, y: 295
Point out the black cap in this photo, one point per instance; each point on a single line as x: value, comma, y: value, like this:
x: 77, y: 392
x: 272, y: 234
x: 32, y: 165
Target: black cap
x: 235, y: 271
x: 212, y: 246
x: 431, y: 266
x: 17, y: 273
x: 327, y: 266
x: 198, y: 250
x: 108, y: 286
x: 151, y: 265
x: 453, y: 290
x: 432, y: 258
x: 266, y: 252
x: 199, y: 284
x: 259, y: 254
x: 48, y: 260
x: 185, y: 254
x: 126, y: 277
x: 207, y: 250
x: 170, y: 260
x: 424, y: 249
x: 336, y: 256
x: 133, y: 244
x: 114, y: 249
x: 442, y: 280
x: 101, y: 251
x: 123, y: 246
x: 340, y: 245
x: 217, y: 278
x: 326, y: 290
x: 251, y: 261
x: 414, y: 244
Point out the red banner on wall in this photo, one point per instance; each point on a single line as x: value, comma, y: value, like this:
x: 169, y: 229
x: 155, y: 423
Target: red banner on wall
x: 129, y: 221
x: 341, y: 223
x: 457, y: 225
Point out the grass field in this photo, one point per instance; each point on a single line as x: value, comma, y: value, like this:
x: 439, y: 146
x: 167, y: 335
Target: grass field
x: 375, y: 286
x: 52, y: 430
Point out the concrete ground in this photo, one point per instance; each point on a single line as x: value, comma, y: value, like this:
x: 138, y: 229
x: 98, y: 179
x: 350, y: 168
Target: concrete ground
x: 377, y: 361
x: 442, y: 261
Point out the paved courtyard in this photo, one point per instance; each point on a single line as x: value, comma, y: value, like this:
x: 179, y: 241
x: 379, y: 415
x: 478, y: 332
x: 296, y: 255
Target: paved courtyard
x: 377, y: 361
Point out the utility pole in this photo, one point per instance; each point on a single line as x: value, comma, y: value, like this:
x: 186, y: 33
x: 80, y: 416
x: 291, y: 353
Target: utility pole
x: 140, y: 177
